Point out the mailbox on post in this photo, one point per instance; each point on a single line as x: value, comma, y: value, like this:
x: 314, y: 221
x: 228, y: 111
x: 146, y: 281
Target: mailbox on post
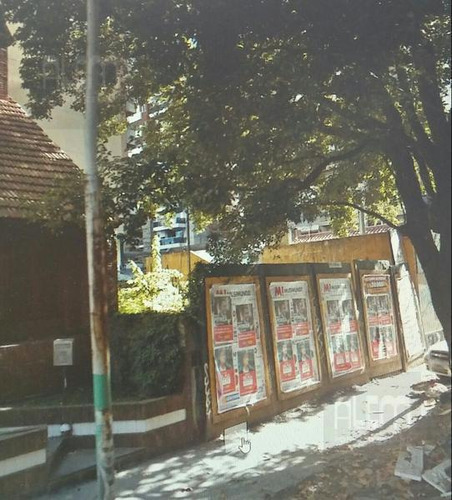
x: 63, y: 355
x: 63, y: 352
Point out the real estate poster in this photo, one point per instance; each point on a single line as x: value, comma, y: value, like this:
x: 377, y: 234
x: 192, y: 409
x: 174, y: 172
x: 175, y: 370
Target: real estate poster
x: 341, y: 325
x: 380, y: 316
x: 223, y: 330
x: 236, y: 339
x: 307, y: 363
x: 283, y: 320
x: 293, y: 335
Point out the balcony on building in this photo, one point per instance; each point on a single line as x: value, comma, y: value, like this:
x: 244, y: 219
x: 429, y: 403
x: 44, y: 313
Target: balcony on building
x: 176, y: 222
x: 180, y: 222
x: 172, y: 242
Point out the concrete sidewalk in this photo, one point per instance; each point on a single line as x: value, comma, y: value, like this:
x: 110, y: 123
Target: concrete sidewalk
x: 283, y: 451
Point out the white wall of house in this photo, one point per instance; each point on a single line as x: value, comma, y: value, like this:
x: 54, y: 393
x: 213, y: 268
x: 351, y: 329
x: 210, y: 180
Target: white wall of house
x: 66, y: 126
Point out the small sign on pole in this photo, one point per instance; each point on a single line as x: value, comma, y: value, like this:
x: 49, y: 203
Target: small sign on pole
x: 63, y: 352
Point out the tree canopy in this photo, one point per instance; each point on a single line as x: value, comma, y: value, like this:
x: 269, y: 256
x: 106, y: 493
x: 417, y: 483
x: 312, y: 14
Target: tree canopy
x: 272, y: 108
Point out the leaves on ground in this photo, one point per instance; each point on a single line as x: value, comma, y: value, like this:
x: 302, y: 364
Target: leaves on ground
x: 368, y: 473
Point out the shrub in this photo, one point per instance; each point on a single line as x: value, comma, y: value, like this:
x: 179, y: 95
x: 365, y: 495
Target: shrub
x: 146, y: 354
x: 160, y: 290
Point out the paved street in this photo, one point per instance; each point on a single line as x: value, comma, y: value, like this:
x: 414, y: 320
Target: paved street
x: 283, y: 451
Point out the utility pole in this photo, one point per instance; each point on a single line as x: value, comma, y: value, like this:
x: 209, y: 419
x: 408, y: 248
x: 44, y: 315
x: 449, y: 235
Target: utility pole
x: 362, y: 216
x: 362, y: 222
x: 97, y: 268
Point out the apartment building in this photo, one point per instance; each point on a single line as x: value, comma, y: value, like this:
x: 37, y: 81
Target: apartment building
x: 176, y: 232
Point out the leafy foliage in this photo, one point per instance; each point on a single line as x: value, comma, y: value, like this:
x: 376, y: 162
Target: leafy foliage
x: 63, y: 204
x: 132, y: 192
x: 291, y: 86
x: 267, y: 109
x: 195, y: 291
x: 267, y: 106
x: 146, y: 354
x: 134, y: 188
x: 160, y: 290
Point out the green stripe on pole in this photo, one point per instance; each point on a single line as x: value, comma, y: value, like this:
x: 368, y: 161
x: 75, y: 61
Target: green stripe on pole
x: 102, y: 395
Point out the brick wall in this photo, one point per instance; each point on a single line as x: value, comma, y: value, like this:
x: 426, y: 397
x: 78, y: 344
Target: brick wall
x: 27, y: 369
x: 43, y: 283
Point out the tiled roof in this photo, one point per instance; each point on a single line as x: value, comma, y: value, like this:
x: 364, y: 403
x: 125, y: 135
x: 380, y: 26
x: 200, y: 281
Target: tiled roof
x: 30, y: 163
x: 328, y: 235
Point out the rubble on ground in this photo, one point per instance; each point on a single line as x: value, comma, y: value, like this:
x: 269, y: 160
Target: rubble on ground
x: 413, y: 464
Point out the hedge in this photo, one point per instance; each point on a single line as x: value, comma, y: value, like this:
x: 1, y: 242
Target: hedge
x: 146, y: 354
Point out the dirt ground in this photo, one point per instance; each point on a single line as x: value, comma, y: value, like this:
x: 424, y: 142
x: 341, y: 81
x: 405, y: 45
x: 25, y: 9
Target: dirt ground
x: 367, y: 473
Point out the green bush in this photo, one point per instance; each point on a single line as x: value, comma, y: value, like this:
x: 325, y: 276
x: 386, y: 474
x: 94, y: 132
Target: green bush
x: 161, y: 290
x: 146, y: 354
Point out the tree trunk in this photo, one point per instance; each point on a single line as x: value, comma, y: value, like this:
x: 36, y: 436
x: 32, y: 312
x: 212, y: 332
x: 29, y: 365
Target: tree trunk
x: 441, y: 286
x: 436, y: 263
x: 436, y: 266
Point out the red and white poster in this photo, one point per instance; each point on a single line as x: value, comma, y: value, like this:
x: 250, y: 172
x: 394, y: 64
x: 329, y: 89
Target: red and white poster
x: 283, y: 319
x: 223, y: 331
x: 246, y: 325
x: 286, y: 360
x: 380, y: 317
x: 301, y: 320
x: 341, y: 325
x: 238, y: 356
x: 293, y: 334
x: 224, y: 362
x: 353, y: 350
x: 306, y: 360
x: 341, y: 356
x: 247, y: 372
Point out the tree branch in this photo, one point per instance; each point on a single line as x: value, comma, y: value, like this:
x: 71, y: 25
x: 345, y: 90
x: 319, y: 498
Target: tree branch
x: 424, y: 174
x: 367, y: 211
x: 408, y: 185
x: 367, y: 122
x: 343, y: 133
x: 429, y: 92
x: 315, y: 173
x: 299, y: 159
x: 423, y: 140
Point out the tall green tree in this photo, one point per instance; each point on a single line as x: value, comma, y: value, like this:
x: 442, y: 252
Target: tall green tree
x: 270, y: 108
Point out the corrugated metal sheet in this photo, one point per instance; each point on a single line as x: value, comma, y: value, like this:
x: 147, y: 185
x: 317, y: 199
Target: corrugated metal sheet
x: 30, y: 163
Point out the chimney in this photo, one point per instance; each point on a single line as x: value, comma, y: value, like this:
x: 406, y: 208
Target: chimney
x: 5, y: 40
